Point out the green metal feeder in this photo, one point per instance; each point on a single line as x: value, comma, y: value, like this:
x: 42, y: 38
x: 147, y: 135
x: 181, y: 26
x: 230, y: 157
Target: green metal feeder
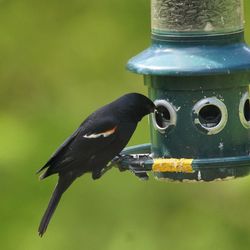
x: 197, y: 71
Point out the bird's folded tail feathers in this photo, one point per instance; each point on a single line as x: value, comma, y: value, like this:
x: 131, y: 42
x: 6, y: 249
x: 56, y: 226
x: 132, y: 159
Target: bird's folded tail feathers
x: 44, y: 175
x: 41, y: 169
x: 60, y: 151
x: 61, y: 187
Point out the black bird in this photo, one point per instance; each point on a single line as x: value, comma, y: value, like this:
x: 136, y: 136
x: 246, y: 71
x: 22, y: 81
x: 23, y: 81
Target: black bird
x: 100, y: 138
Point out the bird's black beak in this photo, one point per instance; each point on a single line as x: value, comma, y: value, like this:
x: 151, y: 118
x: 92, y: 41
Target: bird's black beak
x: 156, y: 110
x: 153, y: 109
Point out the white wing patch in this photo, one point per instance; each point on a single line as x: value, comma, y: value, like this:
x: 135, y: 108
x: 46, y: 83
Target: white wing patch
x: 103, y: 134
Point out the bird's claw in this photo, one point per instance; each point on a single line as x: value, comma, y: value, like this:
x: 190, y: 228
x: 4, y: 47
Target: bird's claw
x: 119, y: 160
x: 141, y: 174
x: 125, y: 162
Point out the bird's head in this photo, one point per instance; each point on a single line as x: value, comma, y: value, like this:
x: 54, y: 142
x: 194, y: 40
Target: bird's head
x: 134, y: 106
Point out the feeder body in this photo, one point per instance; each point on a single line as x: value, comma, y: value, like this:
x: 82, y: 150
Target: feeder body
x: 188, y: 139
x: 197, y: 71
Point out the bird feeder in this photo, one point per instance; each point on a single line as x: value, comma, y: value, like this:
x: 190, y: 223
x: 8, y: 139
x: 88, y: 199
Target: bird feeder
x: 197, y: 71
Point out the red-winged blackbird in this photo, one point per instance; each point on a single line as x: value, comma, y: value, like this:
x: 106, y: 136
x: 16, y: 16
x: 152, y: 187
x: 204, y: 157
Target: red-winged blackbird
x: 93, y: 145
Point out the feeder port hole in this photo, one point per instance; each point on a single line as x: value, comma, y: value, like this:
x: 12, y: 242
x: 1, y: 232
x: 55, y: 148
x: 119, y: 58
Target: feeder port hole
x: 210, y: 115
x: 244, y: 110
x: 247, y: 110
x: 165, y: 117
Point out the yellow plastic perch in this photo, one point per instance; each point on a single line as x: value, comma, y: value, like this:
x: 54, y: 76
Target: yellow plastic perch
x: 173, y: 165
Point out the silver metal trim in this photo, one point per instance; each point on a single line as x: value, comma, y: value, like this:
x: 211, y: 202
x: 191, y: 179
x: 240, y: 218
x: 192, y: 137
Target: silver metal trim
x: 243, y: 100
x: 210, y: 101
x: 172, y: 112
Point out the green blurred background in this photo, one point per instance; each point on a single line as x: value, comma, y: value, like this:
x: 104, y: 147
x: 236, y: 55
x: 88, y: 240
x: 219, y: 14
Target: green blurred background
x: 59, y: 61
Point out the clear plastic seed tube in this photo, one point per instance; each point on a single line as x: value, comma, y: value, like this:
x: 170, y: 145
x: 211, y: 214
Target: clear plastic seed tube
x: 196, y: 16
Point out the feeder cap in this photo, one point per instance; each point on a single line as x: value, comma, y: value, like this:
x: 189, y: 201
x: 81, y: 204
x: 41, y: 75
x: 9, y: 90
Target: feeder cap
x: 192, y: 58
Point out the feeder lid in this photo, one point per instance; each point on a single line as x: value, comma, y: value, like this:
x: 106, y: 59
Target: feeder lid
x: 184, y: 57
x: 138, y: 159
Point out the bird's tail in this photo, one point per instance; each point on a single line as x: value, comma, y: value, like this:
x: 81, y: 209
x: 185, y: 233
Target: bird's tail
x: 61, y: 187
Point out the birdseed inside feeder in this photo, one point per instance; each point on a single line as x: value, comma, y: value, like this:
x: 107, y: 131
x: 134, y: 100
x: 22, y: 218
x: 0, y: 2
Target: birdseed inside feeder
x: 198, y: 16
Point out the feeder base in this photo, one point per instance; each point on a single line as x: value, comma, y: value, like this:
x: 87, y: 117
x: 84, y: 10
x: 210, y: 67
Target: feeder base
x: 138, y: 159
x: 219, y: 174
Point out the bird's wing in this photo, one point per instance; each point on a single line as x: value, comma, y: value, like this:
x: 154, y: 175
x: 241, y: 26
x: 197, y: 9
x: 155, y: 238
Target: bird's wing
x: 92, y: 131
x: 95, y: 134
x: 100, y: 129
x: 60, y: 150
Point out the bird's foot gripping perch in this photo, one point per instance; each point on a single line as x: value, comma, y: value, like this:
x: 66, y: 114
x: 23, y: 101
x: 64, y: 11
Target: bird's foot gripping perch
x: 134, y: 162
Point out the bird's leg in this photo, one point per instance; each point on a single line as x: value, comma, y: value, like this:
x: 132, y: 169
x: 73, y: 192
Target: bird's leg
x: 105, y: 169
x: 123, y: 161
x: 116, y: 162
x: 126, y: 162
x: 96, y: 175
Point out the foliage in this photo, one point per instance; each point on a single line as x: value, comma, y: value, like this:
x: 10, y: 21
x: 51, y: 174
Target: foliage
x: 60, y: 60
